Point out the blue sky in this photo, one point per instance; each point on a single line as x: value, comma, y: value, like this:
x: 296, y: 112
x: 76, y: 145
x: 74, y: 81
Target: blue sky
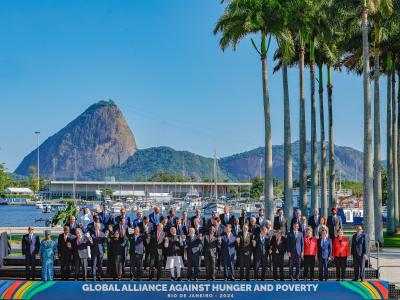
x: 162, y: 65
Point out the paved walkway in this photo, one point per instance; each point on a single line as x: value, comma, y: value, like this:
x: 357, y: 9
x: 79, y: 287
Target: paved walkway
x: 389, y: 264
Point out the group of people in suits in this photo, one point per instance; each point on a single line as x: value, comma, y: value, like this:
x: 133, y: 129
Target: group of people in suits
x: 225, y: 242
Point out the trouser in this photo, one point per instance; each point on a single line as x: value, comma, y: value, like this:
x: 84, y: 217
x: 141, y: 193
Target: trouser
x: 117, y: 266
x: 294, y: 261
x: 47, y: 270
x: 245, y: 265
x: 97, y: 263
x: 178, y: 272
x: 81, y: 262
x: 261, y: 262
x: 340, y: 263
x: 156, y: 261
x: 65, y: 261
x: 30, y: 265
x: 359, y: 267
x: 136, y: 265
x: 309, y: 264
x: 323, y: 268
x: 210, y: 266
x: 193, y: 266
x: 123, y: 258
x: 146, y: 262
x: 277, y: 263
x: 229, y: 266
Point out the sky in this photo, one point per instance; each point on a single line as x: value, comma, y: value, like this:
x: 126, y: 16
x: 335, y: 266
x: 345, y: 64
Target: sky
x: 160, y: 62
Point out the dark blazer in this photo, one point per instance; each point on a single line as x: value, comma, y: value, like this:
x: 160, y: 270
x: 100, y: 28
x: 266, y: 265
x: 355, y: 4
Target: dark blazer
x: 230, y: 221
x: 211, y: 245
x: 63, y: 250
x: 228, y: 245
x: 312, y: 223
x: 153, y: 220
x: 261, y: 249
x: 157, y: 245
x: 333, y: 225
x: 175, y: 244
x: 295, y: 245
x: 80, y: 251
x: 105, y: 218
x: 149, y: 225
x: 202, y: 220
x: 243, y: 221
x: 117, y: 228
x: 97, y: 248
x: 187, y: 224
x: 359, y: 246
x: 90, y: 227
x: 295, y: 220
x: 281, y: 247
x: 181, y: 230
x: 199, y: 230
x: 136, y: 244
x: 255, y: 229
x: 30, y: 247
x: 324, y: 249
x: 282, y: 226
x: 72, y: 227
x: 127, y: 221
x: 236, y: 231
x: 194, y: 247
x: 245, y: 247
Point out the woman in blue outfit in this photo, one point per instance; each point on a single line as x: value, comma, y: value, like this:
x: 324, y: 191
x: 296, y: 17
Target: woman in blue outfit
x: 47, y: 250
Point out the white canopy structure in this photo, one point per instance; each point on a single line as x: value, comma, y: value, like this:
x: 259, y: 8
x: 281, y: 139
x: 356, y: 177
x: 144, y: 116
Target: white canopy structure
x: 18, y: 191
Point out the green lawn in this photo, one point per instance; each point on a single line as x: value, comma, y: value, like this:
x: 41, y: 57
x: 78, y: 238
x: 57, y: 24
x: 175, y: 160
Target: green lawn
x: 391, y: 241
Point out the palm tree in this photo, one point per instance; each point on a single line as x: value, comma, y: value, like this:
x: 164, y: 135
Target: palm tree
x: 240, y: 19
x: 389, y: 149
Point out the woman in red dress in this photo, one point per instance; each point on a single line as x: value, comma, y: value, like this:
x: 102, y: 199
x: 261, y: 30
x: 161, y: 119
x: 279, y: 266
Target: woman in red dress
x: 341, y: 250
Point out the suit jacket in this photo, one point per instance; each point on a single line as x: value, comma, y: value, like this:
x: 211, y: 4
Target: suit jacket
x: 175, y: 244
x: 155, y: 219
x: 30, y: 247
x: 310, y: 246
x: 171, y: 221
x: 334, y: 223
x: 278, y: 249
x: 199, y: 230
x: 72, y: 227
x: 220, y: 230
x: 243, y: 221
x: 228, y: 246
x: 261, y: 247
x: 181, y: 230
x: 231, y: 219
x: 324, y: 248
x: 295, y: 244
x: 282, y: 226
x: 63, y: 250
x: 295, y: 220
x: 236, y: 229
x: 245, y: 245
x: 97, y: 248
x: 137, y: 244
x: 255, y: 229
x: 90, y: 227
x: 127, y: 222
x: 202, y: 220
x: 80, y: 249
x: 359, y: 244
x: 157, y: 244
x: 149, y: 225
x: 118, y: 228
x: 186, y: 223
x: 136, y: 222
x: 341, y: 249
x: 262, y: 221
x: 193, y: 246
x: 312, y: 222
x: 211, y: 245
x: 105, y: 218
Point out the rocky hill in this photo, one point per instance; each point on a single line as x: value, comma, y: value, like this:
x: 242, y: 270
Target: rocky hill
x: 100, y: 136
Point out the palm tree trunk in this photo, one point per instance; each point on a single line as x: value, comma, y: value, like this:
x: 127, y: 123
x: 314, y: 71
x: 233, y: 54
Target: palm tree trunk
x: 268, y: 188
x: 288, y: 179
x: 303, y: 203
x: 389, y: 155
x: 324, y: 198
x: 314, y: 143
x: 397, y: 211
x: 368, y: 179
x: 377, y: 151
x: 332, y: 172
x: 395, y: 173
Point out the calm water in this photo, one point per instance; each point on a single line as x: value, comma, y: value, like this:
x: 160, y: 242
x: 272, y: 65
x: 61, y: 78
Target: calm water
x: 18, y: 215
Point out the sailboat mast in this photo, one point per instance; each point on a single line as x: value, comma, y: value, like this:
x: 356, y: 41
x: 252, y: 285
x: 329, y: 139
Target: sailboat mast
x: 215, y: 175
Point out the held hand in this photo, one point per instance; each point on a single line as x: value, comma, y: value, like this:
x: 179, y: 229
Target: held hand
x: 254, y: 243
x: 365, y: 256
x: 302, y: 255
x: 270, y: 251
x: 68, y: 245
x: 238, y: 240
x: 289, y: 254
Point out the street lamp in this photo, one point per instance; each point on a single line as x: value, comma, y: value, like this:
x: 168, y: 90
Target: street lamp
x: 38, y: 170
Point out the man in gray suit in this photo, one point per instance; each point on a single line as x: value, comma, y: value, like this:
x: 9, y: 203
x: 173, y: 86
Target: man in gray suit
x: 334, y: 224
x: 280, y: 222
x: 80, y: 251
x: 211, y: 244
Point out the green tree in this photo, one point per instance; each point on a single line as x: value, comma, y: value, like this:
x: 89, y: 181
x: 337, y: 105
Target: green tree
x: 33, y: 183
x: 257, y: 187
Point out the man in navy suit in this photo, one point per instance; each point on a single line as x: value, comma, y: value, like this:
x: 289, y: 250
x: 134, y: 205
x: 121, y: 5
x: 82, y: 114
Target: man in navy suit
x: 261, y: 251
x: 296, y: 219
x: 227, y: 217
x: 228, y: 253
x: 30, y: 248
x: 313, y: 220
x: 97, y: 250
x: 280, y: 222
x: 105, y: 216
x: 186, y: 221
x: 155, y: 217
x: 236, y: 228
x: 138, y: 220
x: 359, y: 250
x: 324, y: 255
x: 295, y: 251
x: 197, y: 214
x: 122, y: 228
x: 193, y: 245
x: 261, y: 217
x: 72, y: 224
x: 136, y: 251
x: 123, y: 216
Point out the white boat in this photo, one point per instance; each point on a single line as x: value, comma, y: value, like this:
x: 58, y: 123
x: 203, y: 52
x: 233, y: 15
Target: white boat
x: 39, y: 204
x: 47, y: 208
x: 116, y: 207
x: 213, y: 206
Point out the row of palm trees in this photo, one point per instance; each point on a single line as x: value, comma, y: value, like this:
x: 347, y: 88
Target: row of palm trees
x: 326, y: 35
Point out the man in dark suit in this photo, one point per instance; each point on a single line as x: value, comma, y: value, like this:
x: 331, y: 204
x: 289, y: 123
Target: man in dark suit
x: 244, y: 252
x: 254, y: 228
x: 359, y: 250
x: 157, y: 251
x: 80, y: 252
x: 296, y: 220
x: 280, y: 222
x: 334, y: 223
x: 180, y: 229
x: 138, y: 219
x: 171, y: 218
x: 313, y: 220
x: 261, y: 217
x: 198, y: 229
x: 227, y: 217
x: 136, y: 251
x: 65, y: 252
x: 123, y: 215
x: 261, y: 252
x: 295, y: 251
x: 193, y: 245
x: 97, y: 250
x: 146, y: 225
x: 105, y: 216
x: 324, y: 255
x: 228, y: 253
x: 155, y: 217
x: 197, y: 215
x: 30, y: 248
x: 236, y: 228
x: 277, y: 249
x: 72, y: 224
x: 210, y: 252
x: 186, y: 221
x: 90, y: 227
x: 122, y: 228
x: 219, y: 231
x: 243, y: 219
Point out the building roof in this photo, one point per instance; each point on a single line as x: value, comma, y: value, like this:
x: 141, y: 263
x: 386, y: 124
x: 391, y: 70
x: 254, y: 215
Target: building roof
x: 18, y: 190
